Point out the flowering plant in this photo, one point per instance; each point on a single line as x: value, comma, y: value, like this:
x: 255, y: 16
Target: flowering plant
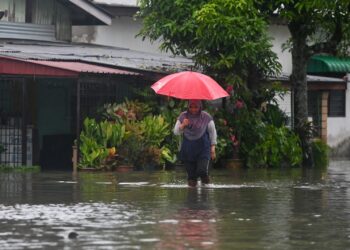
x: 254, y: 132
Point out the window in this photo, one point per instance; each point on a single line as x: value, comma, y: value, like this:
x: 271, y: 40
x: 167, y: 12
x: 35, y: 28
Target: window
x: 314, y: 103
x: 336, y: 103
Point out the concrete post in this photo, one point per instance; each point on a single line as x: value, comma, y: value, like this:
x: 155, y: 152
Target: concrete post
x: 324, y: 115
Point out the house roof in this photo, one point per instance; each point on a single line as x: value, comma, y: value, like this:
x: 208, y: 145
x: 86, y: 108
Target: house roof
x: 315, y: 82
x: 127, y: 3
x: 15, y: 66
x: 119, y: 7
x: 94, y: 54
x: 310, y: 78
x: 328, y: 64
x: 87, y: 13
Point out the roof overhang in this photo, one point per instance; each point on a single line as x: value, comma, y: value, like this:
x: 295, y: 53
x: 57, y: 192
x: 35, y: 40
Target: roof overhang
x: 315, y: 82
x: 323, y: 64
x: 87, y: 13
x: 19, y: 67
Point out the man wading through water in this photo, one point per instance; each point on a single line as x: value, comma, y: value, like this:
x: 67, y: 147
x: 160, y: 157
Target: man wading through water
x: 198, y: 144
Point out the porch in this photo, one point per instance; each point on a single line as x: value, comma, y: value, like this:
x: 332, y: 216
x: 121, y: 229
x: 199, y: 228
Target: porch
x: 47, y: 101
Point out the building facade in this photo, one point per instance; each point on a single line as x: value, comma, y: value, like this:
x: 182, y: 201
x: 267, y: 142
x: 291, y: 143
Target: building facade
x: 330, y: 91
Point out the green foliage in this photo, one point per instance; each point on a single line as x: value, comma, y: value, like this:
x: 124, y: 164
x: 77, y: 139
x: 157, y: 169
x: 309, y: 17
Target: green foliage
x: 140, y: 138
x: 144, y: 144
x: 155, y: 129
x: 227, y: 38
x: 320, y: 151
x: 130, y: 110
x: 324, y: 24
x: 92, y: 154
x: 273, y: 147
x: 21, y: 169
x: 95, y: 140
x: 275, y: 116
x: 258, y: 136
x: 316, y: 27
x: 131, y: 149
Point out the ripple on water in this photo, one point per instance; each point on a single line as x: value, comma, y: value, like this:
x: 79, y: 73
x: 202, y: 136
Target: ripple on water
x: 214, y: 186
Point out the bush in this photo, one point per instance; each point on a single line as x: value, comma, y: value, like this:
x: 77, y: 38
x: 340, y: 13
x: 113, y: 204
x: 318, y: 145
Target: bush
x: 320, y: 152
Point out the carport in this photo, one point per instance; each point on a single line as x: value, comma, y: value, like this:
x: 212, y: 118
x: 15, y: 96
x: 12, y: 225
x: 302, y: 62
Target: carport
x: 47, y: 100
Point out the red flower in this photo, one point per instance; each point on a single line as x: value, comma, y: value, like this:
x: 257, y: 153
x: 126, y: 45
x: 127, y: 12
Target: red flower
x: 119, y: 112
x: 239, y: 104
x: 234, y: 140
x: 229, y: 89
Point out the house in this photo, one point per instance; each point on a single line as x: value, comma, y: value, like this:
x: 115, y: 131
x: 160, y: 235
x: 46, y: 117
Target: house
x: 329, y: 107
x: 49, y: 84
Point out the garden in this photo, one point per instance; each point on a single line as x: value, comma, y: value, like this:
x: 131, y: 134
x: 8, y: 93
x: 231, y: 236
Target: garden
x: 138, y: 133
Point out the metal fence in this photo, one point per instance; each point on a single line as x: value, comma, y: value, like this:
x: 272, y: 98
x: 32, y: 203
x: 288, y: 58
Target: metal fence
x: 12, y: 123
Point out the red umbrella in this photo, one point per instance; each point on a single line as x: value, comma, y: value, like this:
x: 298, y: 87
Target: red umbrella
x: 189, y: 85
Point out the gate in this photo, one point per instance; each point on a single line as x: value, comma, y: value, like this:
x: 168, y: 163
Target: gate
x: 15, y: 149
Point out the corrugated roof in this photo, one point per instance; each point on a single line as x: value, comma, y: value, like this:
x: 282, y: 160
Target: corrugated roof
x: 15, y: 66
x: 96, y: 54
x: 328, y: 64
x: 83, y: 67
x: 132, y: 3
x: 309, y: 78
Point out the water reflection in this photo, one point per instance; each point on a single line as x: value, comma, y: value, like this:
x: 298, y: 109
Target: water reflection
x: 193, y: 226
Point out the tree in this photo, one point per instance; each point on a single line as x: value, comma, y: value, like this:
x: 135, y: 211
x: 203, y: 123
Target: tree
x: 225, y: 38
x: 316, y: 26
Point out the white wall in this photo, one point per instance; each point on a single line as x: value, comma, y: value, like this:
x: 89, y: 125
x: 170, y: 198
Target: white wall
x: 339, y: 127
x: 121, y: 33
x: 280, y: 35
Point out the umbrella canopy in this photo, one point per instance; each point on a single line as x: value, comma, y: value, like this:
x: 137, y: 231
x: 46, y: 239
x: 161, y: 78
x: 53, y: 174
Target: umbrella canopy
x: 189, y: 85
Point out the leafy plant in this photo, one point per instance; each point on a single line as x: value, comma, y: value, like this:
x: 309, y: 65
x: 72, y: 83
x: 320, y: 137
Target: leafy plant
x: 96, y: 139
x: 259, y: 136
x: 126, y: 111
x: 155, y: 129
x: 131, y: 150
x: 273, y: 148
x: 320, y: 151
x: 92, y: 154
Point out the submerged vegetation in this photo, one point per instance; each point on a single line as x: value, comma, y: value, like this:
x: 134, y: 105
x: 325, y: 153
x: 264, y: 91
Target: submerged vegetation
x: 6, y: 168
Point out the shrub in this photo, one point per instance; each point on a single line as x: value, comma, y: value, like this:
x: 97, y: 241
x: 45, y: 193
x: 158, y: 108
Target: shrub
x: 320, y: 152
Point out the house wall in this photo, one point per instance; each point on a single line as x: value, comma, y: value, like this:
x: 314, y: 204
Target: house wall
x: 338, y: 131
x: 44, y: 13
x: 121, y: 33
x: 16, y: 10
x: 338, y: 127
x: 280, y: 35
x: 52, y: 12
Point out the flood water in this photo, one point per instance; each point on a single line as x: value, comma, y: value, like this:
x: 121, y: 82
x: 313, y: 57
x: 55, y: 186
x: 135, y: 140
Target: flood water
x: 248, y: 209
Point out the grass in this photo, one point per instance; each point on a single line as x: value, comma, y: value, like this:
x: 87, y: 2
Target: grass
x: 6, y: 168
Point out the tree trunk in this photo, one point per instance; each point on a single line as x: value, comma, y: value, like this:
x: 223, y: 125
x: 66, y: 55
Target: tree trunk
x: 299, y: 84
